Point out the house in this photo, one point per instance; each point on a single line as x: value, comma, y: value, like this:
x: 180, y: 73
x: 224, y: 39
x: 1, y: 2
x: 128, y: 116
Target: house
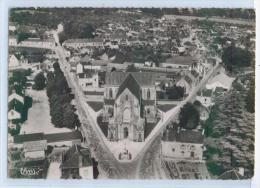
x: 14, y: 115
x: 60, y: 28
x: 234, y: 174
x: 54, y: 139
x: 186, y: 83
x: 13, y: 61
x: 88, y: 79
x: 12, y: 27
x: 37, y: 42
x: 12, y: 40
x: 35, y: 149
x: 129, y: 102
x: 182, y: 145
x: 179, y: 62
x: 205, y: 98
x: 79, y: 43
x: 220, y: 80
x: 204, y: 111
x: 76, y: 163
x: 15, y: 107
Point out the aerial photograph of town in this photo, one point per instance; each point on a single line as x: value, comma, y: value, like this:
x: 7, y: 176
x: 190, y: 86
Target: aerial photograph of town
x: 131, y: 93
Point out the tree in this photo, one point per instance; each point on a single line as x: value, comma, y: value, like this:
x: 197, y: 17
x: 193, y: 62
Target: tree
x: 236, y: 57
x: 189, y: 116
x: 250, y: 100
x: 22, y: 36
x: 88, y: 30
x: 175, y: 92
x: 39, y: 81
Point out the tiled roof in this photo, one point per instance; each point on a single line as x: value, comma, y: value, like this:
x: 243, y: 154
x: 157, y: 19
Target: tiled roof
x: 57, y: 137
x: 148, y: 102
x: 143, y: 78
x: 83, y: 40
x: 184, y: 136
x: 19, y: 139
x: 181, y: 60
x: 189, y: 136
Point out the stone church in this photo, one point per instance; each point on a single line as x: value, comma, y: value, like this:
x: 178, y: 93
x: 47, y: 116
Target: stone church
x: 129, y: 104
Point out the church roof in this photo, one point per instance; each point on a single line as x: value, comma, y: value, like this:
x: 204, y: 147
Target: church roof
x: 143, y: 78
x: 131, y: 84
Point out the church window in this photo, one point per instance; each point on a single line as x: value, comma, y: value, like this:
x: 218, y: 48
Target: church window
x: 126, y: 115
x: 148, y: 110
x: 110, y: 93
x: 126, y: 97
x: 148, y: 94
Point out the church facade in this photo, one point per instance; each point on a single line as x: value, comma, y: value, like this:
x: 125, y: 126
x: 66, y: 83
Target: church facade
x: 129, y: 104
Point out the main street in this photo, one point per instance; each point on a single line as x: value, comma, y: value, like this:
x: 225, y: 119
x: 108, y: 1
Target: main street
x: 171, y: 116
x: 107, y: 162
x: 109, y: 166
x: 131, y: 169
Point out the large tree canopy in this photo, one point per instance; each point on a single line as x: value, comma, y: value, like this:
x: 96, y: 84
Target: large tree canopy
x: 39, y: 81
x: 236, y: 57
x: 60, y: 97
x: 175, y: 92
x: 189, y: 116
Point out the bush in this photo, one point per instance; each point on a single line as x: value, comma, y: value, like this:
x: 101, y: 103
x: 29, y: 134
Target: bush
x: 189, y: 116
x: 215, y: 168
x: 39, y: 81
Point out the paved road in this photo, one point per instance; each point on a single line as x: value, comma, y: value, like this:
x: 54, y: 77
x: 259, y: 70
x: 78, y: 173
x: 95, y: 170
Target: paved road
x: 107, y: 162
x: 109, y: 165
x: 171, y: 117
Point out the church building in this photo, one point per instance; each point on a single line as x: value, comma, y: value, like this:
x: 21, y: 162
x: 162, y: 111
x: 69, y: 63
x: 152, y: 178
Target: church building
x: 129, y: 104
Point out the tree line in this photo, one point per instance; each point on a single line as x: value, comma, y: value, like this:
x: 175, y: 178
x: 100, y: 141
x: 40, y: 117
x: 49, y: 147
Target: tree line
x: 61, y: 110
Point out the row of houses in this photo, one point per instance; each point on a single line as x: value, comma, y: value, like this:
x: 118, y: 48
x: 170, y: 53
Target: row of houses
x: 71, y: 159
x: 32, y: 42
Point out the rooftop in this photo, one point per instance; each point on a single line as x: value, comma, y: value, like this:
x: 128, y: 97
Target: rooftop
x: 181, y: 60
x: 143, y: 78
x: 184, y: 136
x: 56, y: 137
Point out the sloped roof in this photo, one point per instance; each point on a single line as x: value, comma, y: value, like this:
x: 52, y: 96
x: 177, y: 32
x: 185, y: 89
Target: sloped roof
x: 184, y: 136
x: 143, y: 78
x: 181, y: 60
x: 148, y: 102
x: 16, y: 97
x: 223, y: 79
x: 230, y: 175
x: 56, y: 137
x: 189, y: 136
x: 28, y: 137
x: 35, y: 145
x: 131, y: 84
x: 71, y: 159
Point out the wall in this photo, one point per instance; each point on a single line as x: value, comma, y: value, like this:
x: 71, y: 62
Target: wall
x: 182, y: 151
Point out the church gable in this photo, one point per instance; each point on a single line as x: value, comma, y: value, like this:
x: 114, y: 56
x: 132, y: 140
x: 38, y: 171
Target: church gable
x: 131, y: 84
